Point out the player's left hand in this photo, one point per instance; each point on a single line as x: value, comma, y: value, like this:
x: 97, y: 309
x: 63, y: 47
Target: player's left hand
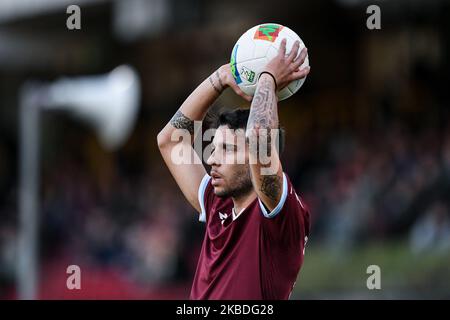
x: 286, y: 68
x: 227, y: 80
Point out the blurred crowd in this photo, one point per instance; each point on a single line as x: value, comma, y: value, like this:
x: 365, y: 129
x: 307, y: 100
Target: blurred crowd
x: 391, y: 184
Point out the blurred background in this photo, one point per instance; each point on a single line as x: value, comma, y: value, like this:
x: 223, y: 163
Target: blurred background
x: 368, y: 144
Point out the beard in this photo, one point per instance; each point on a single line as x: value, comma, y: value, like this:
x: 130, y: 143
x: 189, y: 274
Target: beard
x: 241, y: 184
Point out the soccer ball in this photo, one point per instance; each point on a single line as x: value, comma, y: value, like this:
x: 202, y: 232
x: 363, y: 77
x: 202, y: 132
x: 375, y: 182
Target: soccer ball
x: 255, y: 48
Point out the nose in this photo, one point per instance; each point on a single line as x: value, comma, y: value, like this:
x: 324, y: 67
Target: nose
x: 212, y: 159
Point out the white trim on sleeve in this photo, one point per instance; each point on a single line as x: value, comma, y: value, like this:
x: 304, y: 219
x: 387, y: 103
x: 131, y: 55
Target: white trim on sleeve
x: 201, y: 197
x: 280, y: 205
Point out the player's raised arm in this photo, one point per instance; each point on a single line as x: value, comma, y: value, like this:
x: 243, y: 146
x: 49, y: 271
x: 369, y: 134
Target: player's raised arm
x: 266, y: 169
x: 188, y: 174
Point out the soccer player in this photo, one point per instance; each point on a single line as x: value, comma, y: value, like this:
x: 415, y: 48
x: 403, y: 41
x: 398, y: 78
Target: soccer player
x: 256, y: 224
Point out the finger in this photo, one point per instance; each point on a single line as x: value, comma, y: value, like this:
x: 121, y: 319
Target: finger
x: 282, y: 50
x: 301, y: 58
x: 294, y: 51
x: 300, y: 74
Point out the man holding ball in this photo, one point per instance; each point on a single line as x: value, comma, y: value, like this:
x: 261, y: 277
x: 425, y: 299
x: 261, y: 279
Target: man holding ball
x: 256, y: 224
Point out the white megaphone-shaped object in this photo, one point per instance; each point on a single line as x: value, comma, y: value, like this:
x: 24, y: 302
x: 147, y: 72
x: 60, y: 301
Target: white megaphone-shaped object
x: 107, y: 102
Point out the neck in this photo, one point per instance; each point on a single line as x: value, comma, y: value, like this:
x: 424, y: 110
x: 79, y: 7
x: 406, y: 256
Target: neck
x: 243, y: 201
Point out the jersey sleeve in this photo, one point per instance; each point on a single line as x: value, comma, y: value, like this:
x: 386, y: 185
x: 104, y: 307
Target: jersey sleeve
x: 280, y: 204
x: 290, y: 219
x: 205, y: 195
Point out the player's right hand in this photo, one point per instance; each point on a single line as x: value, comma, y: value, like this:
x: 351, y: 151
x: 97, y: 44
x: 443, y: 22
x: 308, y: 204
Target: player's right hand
x: 227, y: 80
x: 286, y: 68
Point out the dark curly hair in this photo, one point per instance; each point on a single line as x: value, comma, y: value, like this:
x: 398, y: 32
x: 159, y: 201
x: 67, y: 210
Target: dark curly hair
x: 238, y: 118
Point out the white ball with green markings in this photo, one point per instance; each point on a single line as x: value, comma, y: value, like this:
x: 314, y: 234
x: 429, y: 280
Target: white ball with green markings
x: 255, y: 48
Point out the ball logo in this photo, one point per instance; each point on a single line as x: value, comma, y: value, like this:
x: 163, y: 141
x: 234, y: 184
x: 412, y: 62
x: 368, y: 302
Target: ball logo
x: 248, y: 74
x: 268, y: 32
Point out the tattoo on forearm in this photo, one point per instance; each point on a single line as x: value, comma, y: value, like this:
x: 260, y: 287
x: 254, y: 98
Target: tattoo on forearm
x: 180, y: 121
x: 271, y: 186
x: 263, y: 111
x: 220, y: 81
x: 218, y: 88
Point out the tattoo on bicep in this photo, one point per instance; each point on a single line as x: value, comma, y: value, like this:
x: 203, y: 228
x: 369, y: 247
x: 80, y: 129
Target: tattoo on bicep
x: 180, y: 121
x: 271, y: 186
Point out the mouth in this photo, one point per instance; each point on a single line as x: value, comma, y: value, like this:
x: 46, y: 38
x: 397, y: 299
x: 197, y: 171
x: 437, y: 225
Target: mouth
x: 216, y: 178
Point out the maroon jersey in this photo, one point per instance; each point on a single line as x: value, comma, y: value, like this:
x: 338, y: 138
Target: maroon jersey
x: 254, y: 255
